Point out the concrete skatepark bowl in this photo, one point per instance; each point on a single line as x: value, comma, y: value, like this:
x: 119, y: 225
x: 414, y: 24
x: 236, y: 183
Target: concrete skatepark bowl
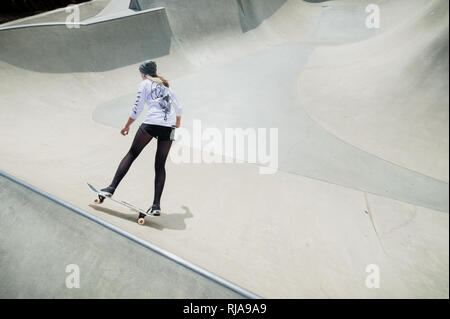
x: 362, y: 149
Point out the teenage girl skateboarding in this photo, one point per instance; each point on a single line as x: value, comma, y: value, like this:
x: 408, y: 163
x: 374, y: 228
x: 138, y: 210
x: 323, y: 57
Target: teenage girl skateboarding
x: 163, y: 116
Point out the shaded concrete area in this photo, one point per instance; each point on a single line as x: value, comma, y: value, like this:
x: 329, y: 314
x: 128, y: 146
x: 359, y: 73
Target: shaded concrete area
x: 61, y: 53
x: 40, y: 239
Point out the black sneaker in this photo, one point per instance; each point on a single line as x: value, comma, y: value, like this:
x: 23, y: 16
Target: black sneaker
x: 108, y: 191
x: 156, y: 210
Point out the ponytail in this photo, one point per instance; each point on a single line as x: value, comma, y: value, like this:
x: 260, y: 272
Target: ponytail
x: 164, y: 81
x: 158, y: 79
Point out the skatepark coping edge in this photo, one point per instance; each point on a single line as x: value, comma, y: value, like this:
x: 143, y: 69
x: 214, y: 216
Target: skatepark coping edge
x: 90, y: 21
x: 245, y: 293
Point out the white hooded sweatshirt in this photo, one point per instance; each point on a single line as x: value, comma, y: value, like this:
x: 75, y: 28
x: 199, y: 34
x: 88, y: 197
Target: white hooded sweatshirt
x: 163, y: 106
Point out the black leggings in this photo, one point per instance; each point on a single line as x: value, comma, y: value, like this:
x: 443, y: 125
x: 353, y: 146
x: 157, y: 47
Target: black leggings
x: 141, y: 140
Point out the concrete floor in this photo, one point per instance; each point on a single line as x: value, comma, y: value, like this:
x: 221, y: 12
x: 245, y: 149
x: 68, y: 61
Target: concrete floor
x: 362, y: 118
x: 42, y: 241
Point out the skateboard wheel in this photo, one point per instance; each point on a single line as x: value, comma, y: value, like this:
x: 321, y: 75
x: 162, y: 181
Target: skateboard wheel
x: 99, y: 200
x: 141, y: 221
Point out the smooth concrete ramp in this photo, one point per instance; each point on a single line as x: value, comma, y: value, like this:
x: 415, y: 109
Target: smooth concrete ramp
x: 362, y: 119
x: 41, y: 240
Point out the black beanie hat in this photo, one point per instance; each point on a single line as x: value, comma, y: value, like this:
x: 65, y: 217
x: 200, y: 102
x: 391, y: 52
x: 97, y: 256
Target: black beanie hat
x: 148, y: 68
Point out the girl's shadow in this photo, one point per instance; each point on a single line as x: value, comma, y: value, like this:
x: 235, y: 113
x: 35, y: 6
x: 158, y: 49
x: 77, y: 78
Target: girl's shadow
x: 169, y: 221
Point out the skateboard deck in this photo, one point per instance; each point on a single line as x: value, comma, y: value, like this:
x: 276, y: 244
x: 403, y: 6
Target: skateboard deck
x: 102, y: 196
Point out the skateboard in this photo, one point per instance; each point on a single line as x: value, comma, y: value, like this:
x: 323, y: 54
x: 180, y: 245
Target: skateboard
x: 102, y: 196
